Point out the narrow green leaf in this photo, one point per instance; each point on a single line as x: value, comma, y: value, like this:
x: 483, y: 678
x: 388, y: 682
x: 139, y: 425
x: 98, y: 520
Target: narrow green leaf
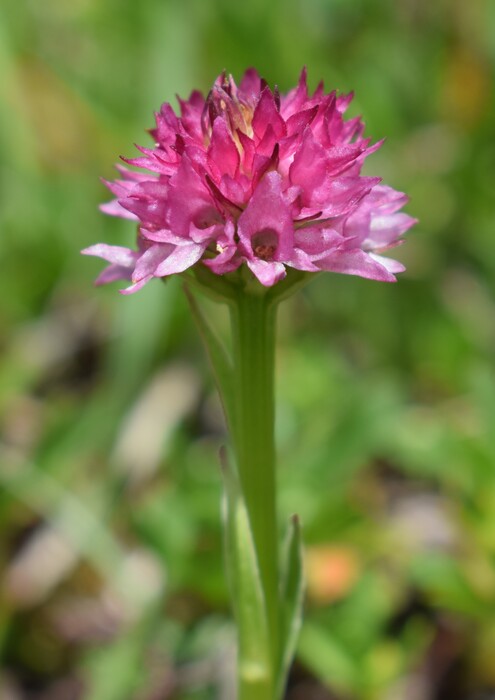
x: 220, y: 361
x: 292, y: 597
x: 245, y: 581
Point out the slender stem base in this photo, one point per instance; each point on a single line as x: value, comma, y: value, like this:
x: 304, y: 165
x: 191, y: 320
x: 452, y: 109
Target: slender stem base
x: 253, y: 335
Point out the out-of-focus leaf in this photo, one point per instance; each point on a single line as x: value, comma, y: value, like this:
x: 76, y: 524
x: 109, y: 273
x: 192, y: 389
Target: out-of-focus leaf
x: 328, y: 659
x: 246, y: 587
x: 292, y: 598
x: 444, y: 581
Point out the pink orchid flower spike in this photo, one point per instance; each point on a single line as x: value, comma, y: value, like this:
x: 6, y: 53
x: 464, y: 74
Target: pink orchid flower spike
x: 247, y: 176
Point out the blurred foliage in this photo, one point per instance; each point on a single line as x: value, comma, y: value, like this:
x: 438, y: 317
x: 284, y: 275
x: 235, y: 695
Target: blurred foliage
x: 113, y: 585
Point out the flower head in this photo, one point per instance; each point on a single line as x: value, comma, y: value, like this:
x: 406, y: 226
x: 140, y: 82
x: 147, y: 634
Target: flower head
x: 248, y: 176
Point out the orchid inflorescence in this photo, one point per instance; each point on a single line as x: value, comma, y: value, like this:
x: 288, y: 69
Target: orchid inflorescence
x: 251, y: 176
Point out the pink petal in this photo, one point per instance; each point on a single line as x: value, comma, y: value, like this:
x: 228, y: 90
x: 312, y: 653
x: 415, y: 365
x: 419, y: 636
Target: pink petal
x: 150, y: 260
x: 393, y: 266
x: 356, y: 262
x: 113, y: 208
x: 236, y: 190
x: 343, y: 102
x: 300, y: 120
x: 249, y: 87
x: 316, y: 242
x: 153, y: 163
x: 113, y: 273
x: 385, y: 200
x: 191, y: 111
x: 267, y: 143
x: 302, y: 261
x: 190, y: 201
x: 296, y: 99
x: 226, y: 260
x: 167, y: 125
x: 222, y: 150
x: 131, y: 175
x: 136, y: 286
x: 340, y: 158
x: 119, y: 188
x: 249, y: 150
x: 352, y: 129
x: 386, y: 230
x: 267, y: 211
x: 125, y: 257
x: 160, y: 236
x: 338, y: 196
x: 309, y: 166
x: 148, y: 201
x: 266, y: 114
x: 180, y: 259
x: 203, y: 236
x: 224, y: 263
x: 268, y: 273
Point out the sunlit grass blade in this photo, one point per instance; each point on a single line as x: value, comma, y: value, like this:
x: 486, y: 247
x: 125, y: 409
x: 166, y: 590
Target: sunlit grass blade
x: 292, y: 597
x: 245, y: 581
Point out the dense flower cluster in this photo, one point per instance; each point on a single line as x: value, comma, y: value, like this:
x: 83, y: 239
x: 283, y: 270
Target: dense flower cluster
x: 250, y: 176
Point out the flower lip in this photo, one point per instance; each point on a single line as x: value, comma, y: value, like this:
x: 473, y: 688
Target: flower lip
x: 249, y: 176
x: 209, y: 216
x: 264, y: 244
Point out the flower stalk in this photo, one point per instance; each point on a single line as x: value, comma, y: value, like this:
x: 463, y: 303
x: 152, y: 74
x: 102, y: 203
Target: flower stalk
x: 253, y: 338
x: 266, y: 589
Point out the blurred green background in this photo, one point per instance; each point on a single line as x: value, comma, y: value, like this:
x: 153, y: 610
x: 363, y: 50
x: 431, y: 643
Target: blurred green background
x: 112, y: 581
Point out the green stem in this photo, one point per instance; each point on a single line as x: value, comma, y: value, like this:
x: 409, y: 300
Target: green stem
x: 253, y: 336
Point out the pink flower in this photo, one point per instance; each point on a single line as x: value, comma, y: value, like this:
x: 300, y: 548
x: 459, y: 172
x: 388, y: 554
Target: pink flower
x: 249, y: 176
